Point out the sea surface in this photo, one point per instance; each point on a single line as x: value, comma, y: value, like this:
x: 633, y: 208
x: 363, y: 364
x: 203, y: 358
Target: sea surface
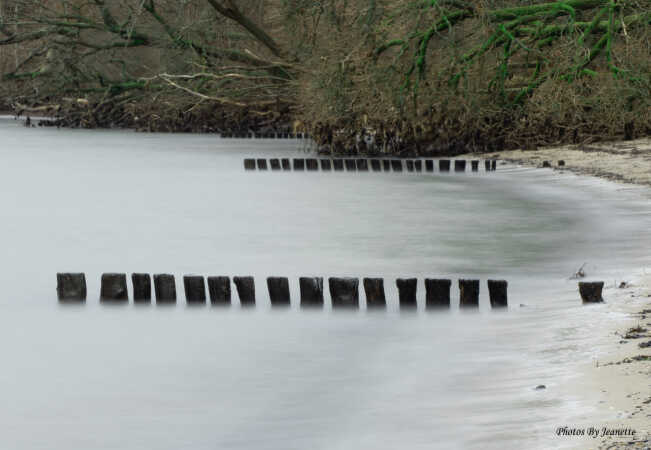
x: 148, y: 377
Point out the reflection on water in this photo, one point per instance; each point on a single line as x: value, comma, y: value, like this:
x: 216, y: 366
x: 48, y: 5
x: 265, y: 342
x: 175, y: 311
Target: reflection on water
x: 138, y: 377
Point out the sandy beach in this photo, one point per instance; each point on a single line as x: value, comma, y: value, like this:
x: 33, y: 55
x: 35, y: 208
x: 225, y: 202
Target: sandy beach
x: 618, y: 381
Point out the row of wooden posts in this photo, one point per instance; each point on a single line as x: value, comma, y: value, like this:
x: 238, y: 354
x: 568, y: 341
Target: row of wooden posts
x: 249, y: 135
x: 363, y: 165
x: 344, y: 292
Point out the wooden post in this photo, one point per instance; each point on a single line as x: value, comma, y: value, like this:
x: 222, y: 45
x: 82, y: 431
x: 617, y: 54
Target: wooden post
x: 71, y: 287
x: 274, y: 163
x: 444, y: 165
x: 311, y: 291
x: 350, y: 165
x: 344, y: 292
x: 437, y: 293
x: 262, y: 164
x: 469, y: 293
x: 249, y: 164
x: 429, y: 165
x: 285, y: 164
x: 219, y: 289
x: 195, y: 289
x: 362, y: 165
x: 386, y: 165
x: 141, y: 287
x: 299, y: 164
x: 245, y: 290
x: 396, y: 165
x: 312, y: 164
x: 114, y: 287
x: 325, y: 165
x: 418, y: 165
x: 460, y: 165
x: 475, y: 165
x: 591, y: 291
x: 494, y: 164
x: 374, y: 290
x: 487, y: 165
x: 410, y: 165
x: 407, y: 292
x: 376, y: 165
x: 497, y: 292
x: 338, y: 164
x: 278, y: 291
x: 165, y: 288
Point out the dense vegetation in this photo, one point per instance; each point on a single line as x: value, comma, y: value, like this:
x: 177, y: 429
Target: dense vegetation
x: 423, y: 76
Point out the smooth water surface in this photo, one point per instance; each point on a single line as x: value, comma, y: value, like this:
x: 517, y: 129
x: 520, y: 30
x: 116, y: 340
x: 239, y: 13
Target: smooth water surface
x: 205, y: 378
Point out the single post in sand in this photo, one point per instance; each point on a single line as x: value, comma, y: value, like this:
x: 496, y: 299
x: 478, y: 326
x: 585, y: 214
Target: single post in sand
x: 591, y: 291
x: 497, y: 293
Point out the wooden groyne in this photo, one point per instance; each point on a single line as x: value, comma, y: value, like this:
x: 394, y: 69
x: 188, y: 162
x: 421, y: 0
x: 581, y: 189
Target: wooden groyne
x: 367, y: 165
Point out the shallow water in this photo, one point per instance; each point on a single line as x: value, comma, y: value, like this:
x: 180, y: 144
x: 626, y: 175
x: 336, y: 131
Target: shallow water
x: 204, y: 378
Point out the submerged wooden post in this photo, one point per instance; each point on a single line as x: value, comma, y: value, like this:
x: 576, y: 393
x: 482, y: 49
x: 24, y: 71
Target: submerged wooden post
x: 71, y: 287
x: 407, y: 292
x: 386, y: 165
x: 311, y: 291
x: 374, y: 290
x: 494, y: 164
x: 278, y: 291
x: 497, y: 292
x: 249, y: 164
x: 469, y: 293
x: 344, y: 292
x: 459, y: 165
x: 195, y: 289
x: 475, y: 165
x: 219, y: 289
x: 285, y: 164
x: 274, y: 163
x: 487, y: 165
x: 299, y: 164
x: 418, y: 165
x: 376, y: 165
x: 396, y: 165
x: 437, y: 293
x: 338, y: 164
x: 429, y: 165
x: 262, y: 164
x: 325, y: 164
x: 444, y: 165
x: 410, y: 165
x: 312, y: 164
x: 165, y: 288
x: 591, y: 291
x: 114, y: 287
x: 350, y: 165
x: 245, y: 290
x: 362, y: 165
x: 141, y: 287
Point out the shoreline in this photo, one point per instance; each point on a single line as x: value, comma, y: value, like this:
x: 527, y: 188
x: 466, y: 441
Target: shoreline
x: 617, y: 383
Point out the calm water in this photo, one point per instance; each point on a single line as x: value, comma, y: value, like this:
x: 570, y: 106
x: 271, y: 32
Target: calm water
x: 206, y: 378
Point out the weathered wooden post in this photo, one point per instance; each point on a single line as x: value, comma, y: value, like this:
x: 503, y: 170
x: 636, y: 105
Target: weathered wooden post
x: 219, y: 289
x: 437, y: 293
x: 274, y: 163
x: 561, y: 163
x: 312, y: 164
x: 396, y: 165
x: 444, y: 165
x: 546, y: 164
x: 376, y: 165
x: 249, y: 164
x: 407, y: 292
x: 487, y: 165
x: 262, y: 164
x: 71, y: 287
x: 497, y: 292
x: 410, y: 165
x: 278, y: 291
x: 459, y: 165
x: 362, y: 165
x: 141, y: 287
x: 386, y: 165
x: 429, y: 165
x: 591, y: 291
x: 165, y: 288
x: 195, y: 289
x: 325, y: 164
x: 285, y: 164
x: 114, y: 287
x: 418, y: 165
x: 350, y: 165
x: 475, y: 165
x: 374, y: 290
x: 494, y: 164
x: 311, y: 291
x: 245, y: 290
x: 469, y: 293
x: 344, y: 292
x: 299, y: 164
x: 338, y: 164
